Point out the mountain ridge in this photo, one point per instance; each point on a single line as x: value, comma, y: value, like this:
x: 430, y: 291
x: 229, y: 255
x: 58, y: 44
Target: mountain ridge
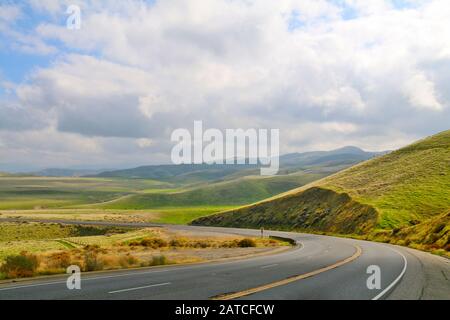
x: 289, y: 163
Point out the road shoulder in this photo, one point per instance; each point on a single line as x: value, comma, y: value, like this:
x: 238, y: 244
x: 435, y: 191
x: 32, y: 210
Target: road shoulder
x: 427, y: 278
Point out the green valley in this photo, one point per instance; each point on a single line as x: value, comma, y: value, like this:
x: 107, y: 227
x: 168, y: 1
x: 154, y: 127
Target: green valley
x: 164, y: 194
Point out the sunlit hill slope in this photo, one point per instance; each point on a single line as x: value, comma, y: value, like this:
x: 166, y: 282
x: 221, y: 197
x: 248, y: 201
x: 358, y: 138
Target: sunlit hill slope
x: 401, y: 197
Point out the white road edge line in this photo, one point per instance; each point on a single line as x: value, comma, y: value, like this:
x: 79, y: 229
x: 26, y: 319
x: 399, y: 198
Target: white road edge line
x: 86, y: 279
x: 32, y: 285
x: 139, y: 288
x: 270, y: 266
x: 381, y: 294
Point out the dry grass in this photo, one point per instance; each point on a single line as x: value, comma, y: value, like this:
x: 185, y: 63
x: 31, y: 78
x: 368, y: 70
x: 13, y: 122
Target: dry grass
x: 135, y: 248
x: 84, y: 215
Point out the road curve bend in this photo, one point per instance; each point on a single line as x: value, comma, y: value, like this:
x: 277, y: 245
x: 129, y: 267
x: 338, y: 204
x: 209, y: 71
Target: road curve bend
x: 321, y: 267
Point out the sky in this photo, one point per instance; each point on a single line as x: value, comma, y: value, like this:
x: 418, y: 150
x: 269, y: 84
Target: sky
x: 328, y: 73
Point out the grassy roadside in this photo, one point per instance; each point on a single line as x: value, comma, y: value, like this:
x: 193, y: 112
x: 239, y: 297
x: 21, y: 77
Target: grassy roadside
x: 54, y: 247
x: 421, y: 237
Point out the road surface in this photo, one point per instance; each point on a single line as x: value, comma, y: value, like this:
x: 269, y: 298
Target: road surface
x: 320, y: 267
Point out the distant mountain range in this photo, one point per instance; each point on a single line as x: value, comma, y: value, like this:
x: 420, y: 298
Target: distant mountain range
x: 319, y: 161
x: 60, y: 172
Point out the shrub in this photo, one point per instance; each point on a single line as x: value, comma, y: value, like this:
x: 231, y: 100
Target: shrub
x: 201, y: 244
x: 108, y: 261
x: 128, y: 260
x: 92, y: 261
x: 230, y: 244
x: 134, y: 243
x: 59, y: 260
x: 439, y: 228
x: 154, y: 243
x: 178, y: 243
x: 431, y: 238
x: 159, y: 260
x: 93, y: 248
x: 247, y: 243
x: 20, y: 266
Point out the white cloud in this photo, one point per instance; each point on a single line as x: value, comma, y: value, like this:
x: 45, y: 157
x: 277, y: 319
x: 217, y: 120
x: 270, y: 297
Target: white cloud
x: 421, y: 93
x: 9, y: 13
x: 339, y: 127
x: 343, y: 97
x: 135, y: 71
x: 144, y: 143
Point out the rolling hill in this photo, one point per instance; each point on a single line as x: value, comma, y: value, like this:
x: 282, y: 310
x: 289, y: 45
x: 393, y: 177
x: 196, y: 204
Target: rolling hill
x: 4, y: 174
x: 234, y: 185
x: 327, y: 161
x: 62, y: 172
x: 178, y: 173
x: 394, y: 197
x: 184, y: 187
x: 229, y: 193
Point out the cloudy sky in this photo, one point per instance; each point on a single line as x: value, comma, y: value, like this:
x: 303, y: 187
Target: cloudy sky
x: 327, y: 73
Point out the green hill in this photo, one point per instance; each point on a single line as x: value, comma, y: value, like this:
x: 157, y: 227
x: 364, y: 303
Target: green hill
x: 185, y: 173
x: 327, y: 161
x: 185, y: 187
x: 233, y: 185
x: 235, y: 192
x: 390, y: 197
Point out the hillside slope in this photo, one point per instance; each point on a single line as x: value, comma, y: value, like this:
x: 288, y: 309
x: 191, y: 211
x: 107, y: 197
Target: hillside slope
x: 235, y: 192
x: 190, y: 173
x: 233, y: 185
x: 406, y: 186
x: 404, y: 189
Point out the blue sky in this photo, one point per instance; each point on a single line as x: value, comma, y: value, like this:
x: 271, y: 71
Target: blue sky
x: 15, y: 65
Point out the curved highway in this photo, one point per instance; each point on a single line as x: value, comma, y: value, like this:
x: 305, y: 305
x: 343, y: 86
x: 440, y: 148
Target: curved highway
x: 320, y: 267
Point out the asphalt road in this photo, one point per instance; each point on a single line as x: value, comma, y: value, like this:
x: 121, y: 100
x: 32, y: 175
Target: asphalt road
x: 324, y: 267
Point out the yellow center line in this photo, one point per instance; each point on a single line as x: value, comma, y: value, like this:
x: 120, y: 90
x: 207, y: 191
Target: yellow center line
x: 247, y: 292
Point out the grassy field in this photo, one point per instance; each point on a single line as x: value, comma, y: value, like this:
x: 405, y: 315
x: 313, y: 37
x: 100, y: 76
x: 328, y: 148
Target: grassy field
x: 185, y: 215
x: 18, y: 193
x: 177, y: 215
x: 387, y: 198
x: 135, y: 199
x: 39, y: 231
x: 39, y: 237
x: 163, y: 194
